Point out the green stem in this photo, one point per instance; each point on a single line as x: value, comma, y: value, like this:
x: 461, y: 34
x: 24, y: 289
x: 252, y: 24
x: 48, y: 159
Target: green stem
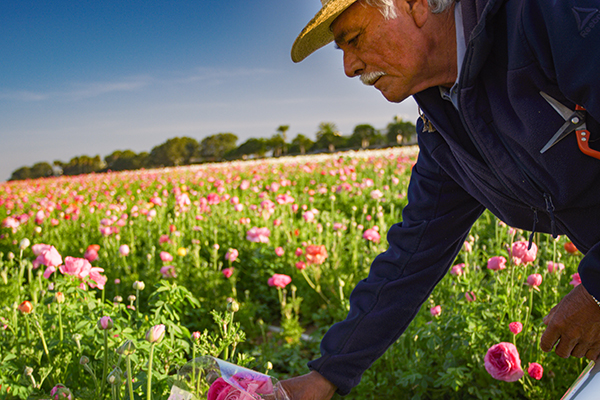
x: 129, y: 378
x: 149, y: 387
x: 60, y: 324
x: 105, y: 366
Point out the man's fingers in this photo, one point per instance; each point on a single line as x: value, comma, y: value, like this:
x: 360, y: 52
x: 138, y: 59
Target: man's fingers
x: 592, y: 354
x: 548, y: 317
x: 564, y: 347
x: 579, y: 350
x: 549, y: 339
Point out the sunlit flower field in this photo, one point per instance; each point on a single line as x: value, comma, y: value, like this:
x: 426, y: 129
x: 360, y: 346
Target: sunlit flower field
x: 110, y: 283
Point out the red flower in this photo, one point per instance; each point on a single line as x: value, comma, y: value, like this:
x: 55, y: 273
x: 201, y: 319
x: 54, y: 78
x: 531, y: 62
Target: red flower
x: 316, y: 254
x: 25, y: 307
x: 570, y: 248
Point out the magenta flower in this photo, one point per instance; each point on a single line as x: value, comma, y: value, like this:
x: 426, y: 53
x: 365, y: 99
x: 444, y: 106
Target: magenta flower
x: 227, y: 272
x: 521, y: 255
x: 502, y: 362
x: 534, y: 280
x: 279, y: 280
x: 435, y: 311
x: 457, y: 270
x: 105, y: 323
x: 515, y: 327
x: 232, y: 255
x: 496, y: 263
x: 470, y: 296
x: 535, y: 370
x: 155, y: 334
x: 166, y: 257
x: 60, y: 392
x: 301, y: 265
x: 279, y: 251
x: 371, y: 235
x: 575, y: 280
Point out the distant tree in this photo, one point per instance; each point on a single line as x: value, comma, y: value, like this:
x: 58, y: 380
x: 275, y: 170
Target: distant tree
x: 175, y: 151
x: 282, y: 131
x: 83, y: 165
x: 41, y: 170
x: 251, y: 147
x: 301, y: 144
x: 21, y: 174
x: 214, y: 147
x: 364, y: 136
x: 125, y: 160
x: 399, y: 131
x: 328, y: 137
x: 277, y: 144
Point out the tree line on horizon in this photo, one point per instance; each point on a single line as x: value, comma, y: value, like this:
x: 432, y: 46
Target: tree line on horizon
x: 223, y: 147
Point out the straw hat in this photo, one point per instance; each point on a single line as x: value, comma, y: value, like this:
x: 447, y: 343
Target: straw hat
x: 317, y: 33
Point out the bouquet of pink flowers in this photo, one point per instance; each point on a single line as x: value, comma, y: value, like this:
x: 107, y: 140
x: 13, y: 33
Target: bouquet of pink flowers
x: 214, y: 379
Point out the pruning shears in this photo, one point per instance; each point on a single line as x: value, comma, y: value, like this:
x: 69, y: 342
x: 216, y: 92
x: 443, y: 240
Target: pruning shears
x: 574, y: 121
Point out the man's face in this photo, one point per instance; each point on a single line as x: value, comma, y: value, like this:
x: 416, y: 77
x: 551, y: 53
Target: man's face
x: 388, y: 54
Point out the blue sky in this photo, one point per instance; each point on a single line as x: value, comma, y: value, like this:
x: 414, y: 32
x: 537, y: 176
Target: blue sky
x: 93, y: 76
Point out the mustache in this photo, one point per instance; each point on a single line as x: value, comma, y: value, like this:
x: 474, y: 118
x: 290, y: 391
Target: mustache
x: 369, y: 78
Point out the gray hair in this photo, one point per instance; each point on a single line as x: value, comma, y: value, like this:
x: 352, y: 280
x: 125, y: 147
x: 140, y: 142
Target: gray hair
x: 388, y: 7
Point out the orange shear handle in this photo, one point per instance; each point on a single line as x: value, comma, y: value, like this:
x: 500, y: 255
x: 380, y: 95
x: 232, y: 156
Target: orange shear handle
x: 583, y: 139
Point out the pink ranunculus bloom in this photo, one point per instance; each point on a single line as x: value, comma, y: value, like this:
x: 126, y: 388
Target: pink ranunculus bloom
x: 502, y: 362
x: 301, y: 265
x: 168, y: 271
x: 371, y: 235
x: 534, y: 280
x: 60, y: 392
x: 277, y: 222
x: 316, y: 254
x: 155, y: 334
x: 79, y: 267
x: 467, y: 247
x: 308, y: 216
x: 520, y: 253
x: 515, y: 327
x: 496, y: 263
x: 227, y: 272
x: 165, y: 256
x: 49, y: 271
x: 105, y: 323
x: 238, y: 207
x: 124, y: 250
x: 164, y: 239
x: 258, y: 235
x: 232, y: 255
x: 435, y: 311
x: 253, y: 383
x: 298, y: 252
x: 96, y: 279
x: 219, y: 390
x: 470, y: 296
x: 555, y: 267
x: 40, y: 248
x: 376, y: 194
x: 279, y: 280
x: 279, y: 251
x: 575, y: 280
x: 49, y: 257
x: 457, y: 270
x: 535, y: 370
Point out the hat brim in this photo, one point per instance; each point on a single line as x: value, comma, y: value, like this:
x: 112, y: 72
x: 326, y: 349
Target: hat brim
x: 317, y: 33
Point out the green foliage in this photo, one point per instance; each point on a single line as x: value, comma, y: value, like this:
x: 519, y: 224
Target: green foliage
x: 214, y: 147
x: 175, y: 151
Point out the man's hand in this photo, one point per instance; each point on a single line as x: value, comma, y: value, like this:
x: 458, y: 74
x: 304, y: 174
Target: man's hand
x: 312, y: 386
x: 575, y: 324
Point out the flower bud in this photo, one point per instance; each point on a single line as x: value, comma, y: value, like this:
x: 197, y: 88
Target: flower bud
x: 25, y: 307
x: 11, y: 255
x: 117, y: 299
x: 131, y: 298
x: 84, y: 360
x: 155, y: 334
x: 233, y: 306
x: 59, y: 297
x: 195, y: 336
x: 139, y: 285
x: 28, y: 371
x: 105, y: 323
x: 126, y: 348
x: 24, y: 244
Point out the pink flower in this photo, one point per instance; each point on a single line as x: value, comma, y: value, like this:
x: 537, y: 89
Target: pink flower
x: 376, y: 194
x: 124, y: 250
x: 515, y: 327
x: 258, y: 235
x: 371, y: 235
x: 238, y: 207
x: 279, y: 280
x: 457, y: 270
x: 502, y: 362
x: 298, y: 252
x: 79, y: 267
x: 155, y: 334
x: 105, y: 323
x: 300, y: 265
x: 40, y: 248
x: 555, y: 267
x: 496, y: 263
x: 168, y: 271
x: 535, y: 370
x: 520, y: 254
x: 48, y: 257
x: 308, y: 216
x: 232, y: 255
x: 534, y: 280
x: 60, y: 392
x: 279, y: 251
x: 49, y: 271
x: 575, y: 280
x: 227, y: 272
x: 196, y: 335
x: 96, y: 280
x: 470, y: 296
x: 218, y: 390
x: 91, y: 253
x: 166, y: 257
x: 435, y: 311
x: 467, y: 247
x: 316, y: 254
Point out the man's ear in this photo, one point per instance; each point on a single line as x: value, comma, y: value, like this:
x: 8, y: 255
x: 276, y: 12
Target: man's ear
x: 418, y: 10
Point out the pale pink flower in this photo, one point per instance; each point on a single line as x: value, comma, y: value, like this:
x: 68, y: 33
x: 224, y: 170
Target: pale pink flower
x: 238, y: 207
x: 575, y: 280
x: 457, y: 270
x: 105, y: 323
x: 258, y: 235
x: 124, y: 250
x: 555, y: 267
x: 279, y: 251
x: 79, y: 267
x: 49, y: 271
x: 232, y: 255
x: 279, y: 280
x: 435, y: 311
x: 371, y: 235
x: 467, y: 247
x: 308, y: 216
x: 168, y: 271
x: 96, y: 279
x: 49, y: 257
x: 515, y: 327
x: 502, y: 362
x: 155, y: 334
x: 470, y: 296
x: 40, y: 248
x: 165, y: 256
x: 520, y: 254
x: 496, y: 263
x: 376, y: 194
x: 534, y: 280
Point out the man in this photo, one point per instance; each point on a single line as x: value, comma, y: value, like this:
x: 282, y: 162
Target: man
x: 477, y: 69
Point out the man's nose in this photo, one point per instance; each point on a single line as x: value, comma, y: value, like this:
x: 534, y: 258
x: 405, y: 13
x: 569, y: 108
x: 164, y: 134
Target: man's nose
x: 353, y: 66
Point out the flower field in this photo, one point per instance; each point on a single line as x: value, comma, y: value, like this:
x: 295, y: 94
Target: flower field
x: 112, y: 282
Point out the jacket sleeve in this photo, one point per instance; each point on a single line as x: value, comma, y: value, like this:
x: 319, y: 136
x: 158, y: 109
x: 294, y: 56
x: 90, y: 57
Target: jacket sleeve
x: 421, y: 249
